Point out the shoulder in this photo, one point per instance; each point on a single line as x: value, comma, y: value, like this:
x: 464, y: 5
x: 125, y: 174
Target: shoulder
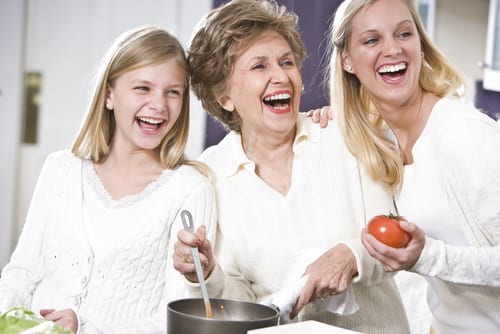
x: 225, y: 157
x: 461, y: 127
x: 62, y: 157
x: 190, y: 176
x: 449, y: 111
x: 62, y: 161
x: 214, y: 153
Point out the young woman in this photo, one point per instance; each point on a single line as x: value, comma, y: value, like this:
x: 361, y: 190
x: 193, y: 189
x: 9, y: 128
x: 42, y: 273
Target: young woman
x: 95, y: 254
x: 395, y: 97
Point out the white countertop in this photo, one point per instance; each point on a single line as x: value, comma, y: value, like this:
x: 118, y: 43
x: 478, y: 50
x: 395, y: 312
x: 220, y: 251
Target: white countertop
x: 304, y: 327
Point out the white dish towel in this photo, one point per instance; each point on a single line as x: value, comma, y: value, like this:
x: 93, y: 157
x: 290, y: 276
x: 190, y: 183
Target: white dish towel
x: 343, y: 303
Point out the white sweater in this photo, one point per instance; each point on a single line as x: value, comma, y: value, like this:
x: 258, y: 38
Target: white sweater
x: 122, y: 289
x: 262, y: 233
x: 455, y: 198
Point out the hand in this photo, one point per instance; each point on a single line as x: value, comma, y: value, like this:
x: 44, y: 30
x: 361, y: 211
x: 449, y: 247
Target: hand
x: 66, y: 318
x: 183, y: 260
x: 321, y: 115
x: 393, y: 259
x: 329, y: 274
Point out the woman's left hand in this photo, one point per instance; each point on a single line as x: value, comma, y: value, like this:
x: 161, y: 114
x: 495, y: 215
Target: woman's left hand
x: 66, y: 318
x: 329, y: 274
x: 394, y: 259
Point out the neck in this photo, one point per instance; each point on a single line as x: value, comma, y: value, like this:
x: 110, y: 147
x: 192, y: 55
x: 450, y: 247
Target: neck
x: 263, y: 147
x: 273, y: 158
x: 129, y: 162
x: 408, y: 121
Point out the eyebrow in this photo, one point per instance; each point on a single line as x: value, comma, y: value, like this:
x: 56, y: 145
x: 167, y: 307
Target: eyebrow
x: 397, y: 26
x: 260, y: 58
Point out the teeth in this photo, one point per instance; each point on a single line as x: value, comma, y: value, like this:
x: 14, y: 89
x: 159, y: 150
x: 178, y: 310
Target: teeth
x: 150, y: 120
x: 282, y: 96
x: 392, y: 68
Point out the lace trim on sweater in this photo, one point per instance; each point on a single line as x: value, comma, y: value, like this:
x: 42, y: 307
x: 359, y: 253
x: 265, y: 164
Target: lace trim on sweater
x: 102, y: 193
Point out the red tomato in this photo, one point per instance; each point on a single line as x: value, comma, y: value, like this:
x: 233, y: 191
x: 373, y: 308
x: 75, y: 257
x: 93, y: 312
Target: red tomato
x: 387, y: 230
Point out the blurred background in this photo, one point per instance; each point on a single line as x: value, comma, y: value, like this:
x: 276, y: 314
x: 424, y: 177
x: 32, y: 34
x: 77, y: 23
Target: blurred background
x: 50, y: 49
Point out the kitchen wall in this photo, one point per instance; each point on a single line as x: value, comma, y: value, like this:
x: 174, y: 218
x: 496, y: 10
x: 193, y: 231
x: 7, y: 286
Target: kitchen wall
x: 63, y: 40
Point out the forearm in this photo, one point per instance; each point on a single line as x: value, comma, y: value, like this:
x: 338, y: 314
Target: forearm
x: 466, y: 265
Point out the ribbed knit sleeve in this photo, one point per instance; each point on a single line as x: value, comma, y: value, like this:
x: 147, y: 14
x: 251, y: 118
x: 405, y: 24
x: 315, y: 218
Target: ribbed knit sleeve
x: 471, y: 175
x: 27, y: 267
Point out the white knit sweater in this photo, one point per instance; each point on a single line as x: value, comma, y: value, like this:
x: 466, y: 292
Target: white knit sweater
x: 124, y: 290
x: 456, y: 183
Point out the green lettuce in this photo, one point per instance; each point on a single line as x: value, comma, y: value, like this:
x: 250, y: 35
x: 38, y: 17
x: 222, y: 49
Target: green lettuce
x: 19, y: 320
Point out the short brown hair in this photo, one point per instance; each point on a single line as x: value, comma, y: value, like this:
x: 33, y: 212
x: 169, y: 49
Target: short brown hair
x: 222, y: 34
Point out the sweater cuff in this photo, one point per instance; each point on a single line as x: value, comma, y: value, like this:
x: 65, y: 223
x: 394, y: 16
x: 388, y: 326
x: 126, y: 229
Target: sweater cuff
x: 363, y: 263
x: 428, y: 263
x: 214, y: 283
x: 78, y: 321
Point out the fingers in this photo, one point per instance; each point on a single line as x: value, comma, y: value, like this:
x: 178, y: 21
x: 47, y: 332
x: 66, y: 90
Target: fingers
x: 324, y: 116
x: 304, y: 298
x: 188, y: 238
x: 321, y: 115
x: 66, y: 318
x: 45, y: 311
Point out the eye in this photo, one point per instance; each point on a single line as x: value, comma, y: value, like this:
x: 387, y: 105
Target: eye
x: 287, y: 63
x: 258, y: 66
x: 405, y: 34
x: 174, y: 93
x: 142, y: 88
x: 370, y: 40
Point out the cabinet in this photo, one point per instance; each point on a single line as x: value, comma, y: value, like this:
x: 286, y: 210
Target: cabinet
x: 491, y: 78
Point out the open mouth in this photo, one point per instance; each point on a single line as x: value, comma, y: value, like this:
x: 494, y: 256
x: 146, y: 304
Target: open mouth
x: 278, y: 101
x: 393, y: 71
x: 149, y: 124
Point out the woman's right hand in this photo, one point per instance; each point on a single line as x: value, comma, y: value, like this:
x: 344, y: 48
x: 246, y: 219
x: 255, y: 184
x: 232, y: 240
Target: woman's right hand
x: 394, y: 259
x: 183, y: 260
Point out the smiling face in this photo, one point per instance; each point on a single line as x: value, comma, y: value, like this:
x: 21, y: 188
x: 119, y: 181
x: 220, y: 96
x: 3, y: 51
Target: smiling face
x: 265, y: 87
x: 146, y: 102
x: 384, y: 52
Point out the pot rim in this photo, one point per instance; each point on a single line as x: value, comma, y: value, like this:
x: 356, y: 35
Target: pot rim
x: 190, y: 316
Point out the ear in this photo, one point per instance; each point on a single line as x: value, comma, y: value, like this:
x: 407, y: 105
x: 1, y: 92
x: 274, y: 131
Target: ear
x: 346, y: 62
x: 109, y: 99
x: 226, y: 103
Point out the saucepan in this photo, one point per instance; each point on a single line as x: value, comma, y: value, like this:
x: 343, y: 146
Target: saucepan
x: 188, y: 316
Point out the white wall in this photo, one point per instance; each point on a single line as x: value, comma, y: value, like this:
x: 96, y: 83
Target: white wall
x: 460, y: 32
x: 11, y: 55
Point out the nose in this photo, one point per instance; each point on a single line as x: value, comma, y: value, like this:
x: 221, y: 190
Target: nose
x: 392, y: 48
x: 278, y: 74
x: 157, y: 102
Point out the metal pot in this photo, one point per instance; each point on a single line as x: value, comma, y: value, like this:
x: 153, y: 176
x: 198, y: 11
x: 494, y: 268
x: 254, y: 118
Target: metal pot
x: 187, y: 316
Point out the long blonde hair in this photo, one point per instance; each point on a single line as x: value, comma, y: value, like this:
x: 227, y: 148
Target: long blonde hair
x: 363, y: 128
x: 133, y: 49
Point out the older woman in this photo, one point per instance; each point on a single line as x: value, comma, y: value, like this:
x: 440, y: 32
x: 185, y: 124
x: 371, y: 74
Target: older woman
x: 270, y: 170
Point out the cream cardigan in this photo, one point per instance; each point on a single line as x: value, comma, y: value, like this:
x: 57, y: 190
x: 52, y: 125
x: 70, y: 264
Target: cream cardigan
x: 125, y: 291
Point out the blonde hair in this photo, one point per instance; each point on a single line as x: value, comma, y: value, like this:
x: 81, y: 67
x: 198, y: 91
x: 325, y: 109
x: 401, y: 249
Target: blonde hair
x: 364, y: 130
x: 133, y: 49
x: 221, y: 35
